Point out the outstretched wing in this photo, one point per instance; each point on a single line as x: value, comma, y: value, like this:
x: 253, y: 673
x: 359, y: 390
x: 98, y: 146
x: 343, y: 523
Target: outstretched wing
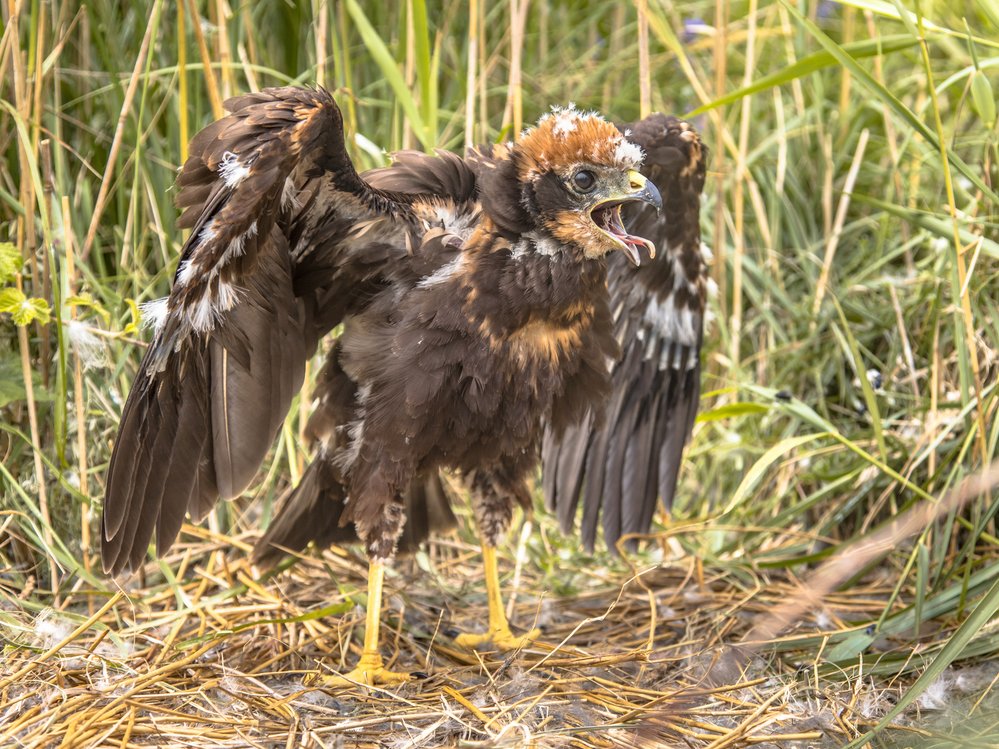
x: 280, y: 249
x: 620, y: 462
x: 312, y: 511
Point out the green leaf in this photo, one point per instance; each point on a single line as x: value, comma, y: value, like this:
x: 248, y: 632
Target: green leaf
x: 909, y: 19
x: 390, y: 69
x: 133, y: 326
x: 731, y: 410
x: 889, y: 99
x: 854, y: 644
x: 11, y: 382
x: 760, y: 467
x: 983, y: 99
x: 940, y: 226
x: 87, y: 301
x: 10, y: 262
x: 860, y: 369
x: 956, y: 645
x: 22, y: 309
x: 424, y: 70
x: 11, y: 300
x: 794, y: 407
x: 807, y: 65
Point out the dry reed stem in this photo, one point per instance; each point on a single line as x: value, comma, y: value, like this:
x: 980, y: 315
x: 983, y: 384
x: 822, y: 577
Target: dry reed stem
x: 644, y: 68
x: 837, y: 228
x: 470, y: 74
x: 206, y: 60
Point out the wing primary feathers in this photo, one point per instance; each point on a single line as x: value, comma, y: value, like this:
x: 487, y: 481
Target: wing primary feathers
x: 309, y: 512
x: 633, y: 456
x: 270, y: 195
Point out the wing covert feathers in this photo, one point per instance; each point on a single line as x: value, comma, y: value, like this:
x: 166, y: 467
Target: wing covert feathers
x: 617, y: 466
x: 232, y: 338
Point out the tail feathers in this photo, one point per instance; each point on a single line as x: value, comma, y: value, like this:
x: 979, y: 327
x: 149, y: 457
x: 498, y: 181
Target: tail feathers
x: 428, y: 510
x: 311, y: 512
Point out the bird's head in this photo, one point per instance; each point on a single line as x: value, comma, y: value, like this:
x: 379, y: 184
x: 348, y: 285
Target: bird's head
x: 575, y: 171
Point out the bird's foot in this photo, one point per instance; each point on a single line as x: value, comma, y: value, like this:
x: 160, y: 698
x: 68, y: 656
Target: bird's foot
x: 369, y: 671
x: 501, y: 638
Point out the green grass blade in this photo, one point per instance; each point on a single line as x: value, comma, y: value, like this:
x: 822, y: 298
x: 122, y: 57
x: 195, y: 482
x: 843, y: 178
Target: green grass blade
x: 884, y: 45
x: 383, y: 58
x: 955, y: 646
x: 860, y: 369
x: 886, y: 96
x: 756, y: 473
x: 424, y: 71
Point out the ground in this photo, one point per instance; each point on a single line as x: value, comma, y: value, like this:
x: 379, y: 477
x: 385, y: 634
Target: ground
x: 224, y: 657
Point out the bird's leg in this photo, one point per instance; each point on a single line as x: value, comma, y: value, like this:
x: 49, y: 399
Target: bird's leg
x: 370, y: 670
x: 499, y: 633
x: 493, y: 514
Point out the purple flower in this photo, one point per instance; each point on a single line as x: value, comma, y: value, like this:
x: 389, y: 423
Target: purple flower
x: 693, y: 28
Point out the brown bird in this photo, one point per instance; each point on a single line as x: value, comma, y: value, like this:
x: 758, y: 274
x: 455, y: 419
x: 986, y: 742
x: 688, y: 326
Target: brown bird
x: 471, y: 314
x: 618, y: 460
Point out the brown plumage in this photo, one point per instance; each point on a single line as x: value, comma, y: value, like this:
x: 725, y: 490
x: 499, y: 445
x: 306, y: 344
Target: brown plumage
x: 625, y: 454
x: 618, y: 460
x: 473, y: 312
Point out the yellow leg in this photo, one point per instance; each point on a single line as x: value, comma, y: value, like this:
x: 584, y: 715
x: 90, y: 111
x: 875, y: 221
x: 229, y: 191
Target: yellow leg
x: 499, y: 633
x: 369, y: 670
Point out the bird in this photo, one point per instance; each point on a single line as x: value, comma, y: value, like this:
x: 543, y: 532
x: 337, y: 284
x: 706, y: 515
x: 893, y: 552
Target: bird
x: 619, y: 459
x: 472, y: 314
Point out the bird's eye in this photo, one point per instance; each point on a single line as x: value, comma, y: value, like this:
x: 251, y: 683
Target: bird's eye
x: 584, y: 181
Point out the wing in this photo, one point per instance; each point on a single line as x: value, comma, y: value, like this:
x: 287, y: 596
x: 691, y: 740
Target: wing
x: 286, y: 238
x: 312, y: 511
x: 620, y: 463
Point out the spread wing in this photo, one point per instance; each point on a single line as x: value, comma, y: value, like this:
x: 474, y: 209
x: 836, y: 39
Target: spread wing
x: 283, y: 245
x: 618, y: 464
x: 312, y: 511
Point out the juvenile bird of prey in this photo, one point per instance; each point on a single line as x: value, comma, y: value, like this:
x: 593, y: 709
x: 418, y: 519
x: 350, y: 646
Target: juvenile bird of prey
x: 471, y: 314
x: 619, y: 459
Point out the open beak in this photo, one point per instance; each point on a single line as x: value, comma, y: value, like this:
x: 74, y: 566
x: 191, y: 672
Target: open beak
x: 607, y: 216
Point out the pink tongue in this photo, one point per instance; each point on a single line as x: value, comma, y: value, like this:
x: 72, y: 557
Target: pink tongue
x: 634, y: 243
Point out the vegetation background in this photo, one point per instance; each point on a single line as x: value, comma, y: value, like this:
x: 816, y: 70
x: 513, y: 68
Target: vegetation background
x: 851, y: 367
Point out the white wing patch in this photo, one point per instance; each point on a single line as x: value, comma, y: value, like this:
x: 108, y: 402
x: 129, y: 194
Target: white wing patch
x: 237, y: 246
x: 154, y: 313
x: 673, y: 323
x: 206, y: 311
x: 231, y: 170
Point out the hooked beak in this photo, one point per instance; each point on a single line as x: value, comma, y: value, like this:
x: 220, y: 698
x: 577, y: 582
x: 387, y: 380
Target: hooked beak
x: 645, y: 190
x: 607, y: 215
